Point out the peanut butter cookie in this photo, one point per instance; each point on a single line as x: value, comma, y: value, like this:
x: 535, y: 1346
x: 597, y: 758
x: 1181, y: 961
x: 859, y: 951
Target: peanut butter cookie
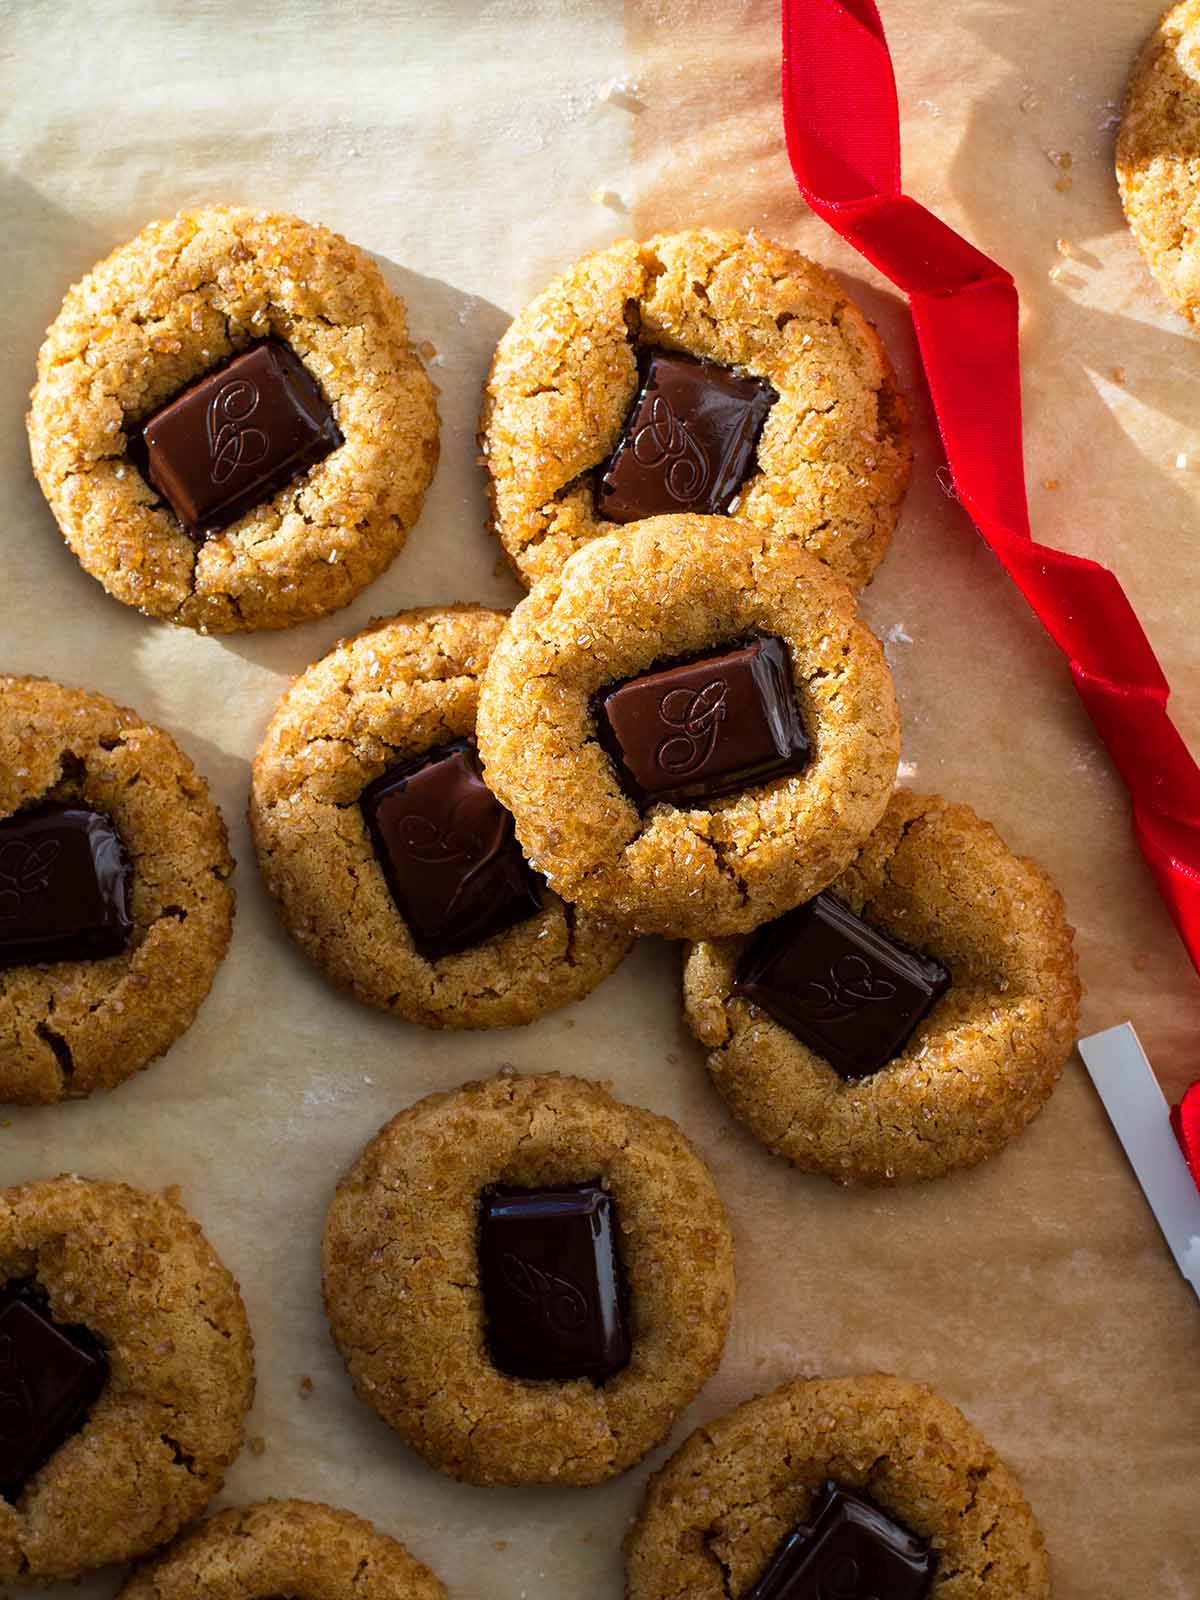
x: 285, y: 1547
x: 126, y: 1372
x: 837, y: 1487
x: 230, y: 423
x: 115, y: 909
x: 528, y: 1280
x: 394, y: 867
x: 690, y: 725
x: 911, y: 1020
x: 707, y: 371
x: 1158, y: 155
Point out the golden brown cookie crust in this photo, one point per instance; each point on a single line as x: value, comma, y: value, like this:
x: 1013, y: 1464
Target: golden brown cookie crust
x: 401, y: 1278
x: 135, y: 1269
x: 160, y: 312
x: 674, y: 587
x: 1158, y: 155
x: 68, y: 1028
x: 404, y: 686
x: 716, y: 1513
x: 834, y: 458
x: 982, y: 1063
x: 296, y: 1548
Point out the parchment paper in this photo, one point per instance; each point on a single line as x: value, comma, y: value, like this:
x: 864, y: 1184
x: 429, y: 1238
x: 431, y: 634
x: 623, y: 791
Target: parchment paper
x: 477, y: 149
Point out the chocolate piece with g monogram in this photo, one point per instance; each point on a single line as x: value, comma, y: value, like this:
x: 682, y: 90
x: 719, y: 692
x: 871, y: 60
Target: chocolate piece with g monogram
x: 849, y: 992
x: 851, y: 1551
x: 449, y: 851
x: 235, y: 437
x: 688, y: 443
x: 50, y: 1377
x: 64, y: 886
x: 705, y: 727
x: 552, y: 1282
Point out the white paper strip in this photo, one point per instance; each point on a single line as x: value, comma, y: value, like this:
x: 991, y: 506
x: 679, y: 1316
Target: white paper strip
x: 1126, y: 1083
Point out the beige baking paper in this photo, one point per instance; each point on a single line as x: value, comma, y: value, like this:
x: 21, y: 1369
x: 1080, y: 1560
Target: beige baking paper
x: 477, y: 149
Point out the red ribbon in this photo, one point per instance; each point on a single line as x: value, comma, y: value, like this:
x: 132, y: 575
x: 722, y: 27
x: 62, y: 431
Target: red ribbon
x: 843, y: 137
x: 1185, y: 1119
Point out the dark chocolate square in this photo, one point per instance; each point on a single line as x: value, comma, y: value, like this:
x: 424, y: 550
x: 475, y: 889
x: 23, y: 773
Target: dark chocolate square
x: 705, y: 727
x: 849, y: 992
x: 851, y: 1551
x: 64, y: 886
x: 688, y: 442
x: 50, y: 1377
x: 552, y: 1282
x: 235, y: 437
x: 449, y: 851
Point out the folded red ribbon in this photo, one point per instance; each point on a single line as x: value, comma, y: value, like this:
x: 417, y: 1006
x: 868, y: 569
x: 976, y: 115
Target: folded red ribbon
x: 843, y: 137
x: 1185, y: 1119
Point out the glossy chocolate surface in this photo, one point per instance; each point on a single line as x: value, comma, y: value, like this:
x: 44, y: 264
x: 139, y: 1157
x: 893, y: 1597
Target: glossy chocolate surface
x: 235, y: 437
x: 849, y: 992
x: 65, y: 885
x: 552, y: 1282
x: 50, y: 1377
x: 705, y: 727
x: 449, y: 851
x: 851, y: 1551
x: 688, y: 442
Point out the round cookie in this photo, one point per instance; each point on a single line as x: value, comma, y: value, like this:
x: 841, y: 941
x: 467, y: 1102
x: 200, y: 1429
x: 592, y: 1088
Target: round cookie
x: 1158, y: 155
x: 297, y: 1548
x: 131, y: 1273
x: 715, y: 1515
x: 979, y: 1066
x: 69, y: 1027
x: 669, y: 589
x: 402, y: 688
x: 832, y: 462
x: 405, y: 1293
x: 162, y: 311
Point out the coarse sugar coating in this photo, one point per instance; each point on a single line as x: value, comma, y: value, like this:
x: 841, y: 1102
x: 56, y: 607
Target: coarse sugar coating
x: 666, y: 589
x: 68, y: 1028
x: 391, y: 693
x: 715, y: 1514
x: 981, y: 1064
x: 160, y: 312
x: 403, y: 1291
x: 297, y: 1548
x: 136, y: 1271
x: 833, y: 461
x: 1158, y: 155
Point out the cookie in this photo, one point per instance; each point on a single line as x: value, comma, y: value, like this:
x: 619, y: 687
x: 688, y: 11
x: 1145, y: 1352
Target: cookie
x: 285, y: 1547
x: 248, y: 377
x: 982, y: 1055
x: 785, y: 713
x: 1158, y: 155
x: 914, y: 1489
x: 528, y: 1280
x: 115, y: 909
x: 126, y: 1372
x: 706, y: 371
x: 394, y: 868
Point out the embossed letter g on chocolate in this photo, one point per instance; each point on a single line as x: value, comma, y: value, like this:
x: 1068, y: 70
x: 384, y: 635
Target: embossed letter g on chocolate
x: 689, y: 440
x: 705, y: 727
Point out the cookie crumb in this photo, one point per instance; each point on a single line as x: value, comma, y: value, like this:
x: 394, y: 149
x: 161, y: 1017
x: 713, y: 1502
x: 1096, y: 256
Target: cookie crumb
x: 1141, y: 962
x: 501, y: 1544
x: 172, y: 1193
x: 306, y: 1386
x: 426, y: 350
x: 1118, y: 375
x: 609, y: 198
x: 258, y: 1445
x: 1064, y: 182
x: 1050, y: 483
x: 625, y: 94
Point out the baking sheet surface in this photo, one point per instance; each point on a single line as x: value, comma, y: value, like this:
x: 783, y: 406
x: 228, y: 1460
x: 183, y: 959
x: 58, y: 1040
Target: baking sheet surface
x: 477, y: 149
